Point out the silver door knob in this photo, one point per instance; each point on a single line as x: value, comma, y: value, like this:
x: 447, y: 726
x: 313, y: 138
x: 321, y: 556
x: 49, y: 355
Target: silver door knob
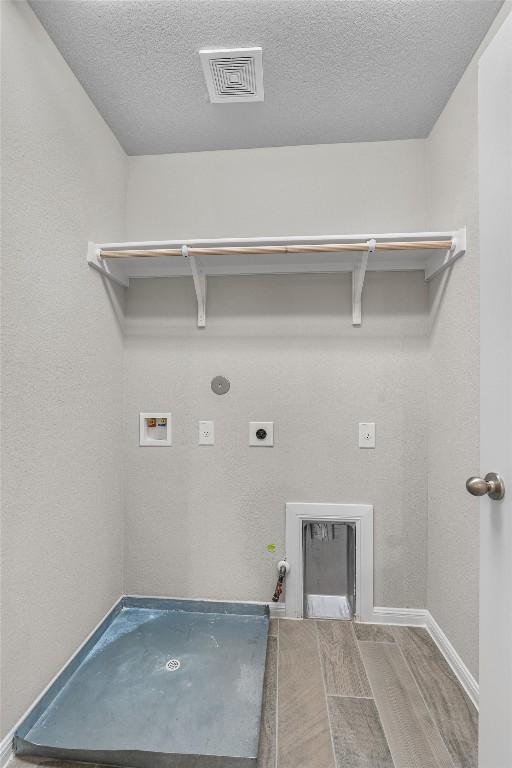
x: 492, y: 485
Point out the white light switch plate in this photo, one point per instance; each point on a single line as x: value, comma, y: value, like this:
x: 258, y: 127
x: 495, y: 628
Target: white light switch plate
x: 367, y: 434
x: 254, y: 429
x: 206, y: 433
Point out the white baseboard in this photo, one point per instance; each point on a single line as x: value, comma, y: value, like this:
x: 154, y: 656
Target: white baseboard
x: 421, y: 617
x: 455, y: 662
x: 405, y: 617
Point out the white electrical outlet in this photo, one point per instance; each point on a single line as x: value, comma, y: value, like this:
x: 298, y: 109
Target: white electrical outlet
x: 367, y: 434
x: 261, y: 434
x: 206, y: 433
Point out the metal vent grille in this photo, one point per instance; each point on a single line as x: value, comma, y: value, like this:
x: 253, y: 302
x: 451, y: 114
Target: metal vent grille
x: 233, y: 75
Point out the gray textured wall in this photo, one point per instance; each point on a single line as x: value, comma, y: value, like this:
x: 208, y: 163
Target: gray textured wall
x: 328, y: 189
x: 63, y: 183
x: 454, y: 376
x: 199, y: 518
x: 454, y: 384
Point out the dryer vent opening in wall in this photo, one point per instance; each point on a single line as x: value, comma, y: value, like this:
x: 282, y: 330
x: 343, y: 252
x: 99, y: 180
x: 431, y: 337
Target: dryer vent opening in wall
x: 233, y: 74
x: 329, y: 569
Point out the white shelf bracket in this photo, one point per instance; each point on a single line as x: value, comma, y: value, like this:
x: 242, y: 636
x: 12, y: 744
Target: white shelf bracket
x: 100, y: 265
x: 358, y: 276
x: 199, y: 284
x: 439, y: 262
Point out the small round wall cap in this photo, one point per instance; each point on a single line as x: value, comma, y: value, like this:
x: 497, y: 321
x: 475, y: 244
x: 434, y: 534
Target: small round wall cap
x: 220, y: 385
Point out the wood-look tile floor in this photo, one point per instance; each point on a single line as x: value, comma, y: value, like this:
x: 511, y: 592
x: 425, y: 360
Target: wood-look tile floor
x: 345, y: 695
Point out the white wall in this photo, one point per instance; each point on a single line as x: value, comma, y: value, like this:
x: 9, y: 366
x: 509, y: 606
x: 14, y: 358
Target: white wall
x: 63, y: 183
x: 199, y: 519
x: 453, y: 386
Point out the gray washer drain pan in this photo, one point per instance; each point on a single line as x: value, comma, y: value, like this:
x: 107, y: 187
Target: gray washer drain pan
x: 160, y: 684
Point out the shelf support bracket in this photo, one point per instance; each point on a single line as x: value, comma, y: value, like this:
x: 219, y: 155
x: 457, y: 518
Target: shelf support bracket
x: 199, y: 284
x: 439, y: 262
x: 358, y: 276
x: 112, y: 271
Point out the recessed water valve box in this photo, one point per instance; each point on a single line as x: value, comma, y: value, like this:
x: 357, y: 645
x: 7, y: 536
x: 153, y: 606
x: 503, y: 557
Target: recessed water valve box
x: 155, y: 429
x: 261, y: 434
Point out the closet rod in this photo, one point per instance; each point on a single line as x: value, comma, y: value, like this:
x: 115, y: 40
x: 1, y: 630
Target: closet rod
x: 264, y: 249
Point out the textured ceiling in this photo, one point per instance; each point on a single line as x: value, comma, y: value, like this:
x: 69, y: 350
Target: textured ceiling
x: 334, y: 70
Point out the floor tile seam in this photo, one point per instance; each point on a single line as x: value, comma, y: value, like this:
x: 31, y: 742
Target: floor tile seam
x: 409, y: 667
x: 356, y: 643
x: 322, y: 674
x: 377, y: 708
x: 348, y: 696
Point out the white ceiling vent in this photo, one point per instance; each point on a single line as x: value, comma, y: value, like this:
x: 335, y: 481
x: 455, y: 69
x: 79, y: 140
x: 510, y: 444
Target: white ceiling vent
x: 233, y: 74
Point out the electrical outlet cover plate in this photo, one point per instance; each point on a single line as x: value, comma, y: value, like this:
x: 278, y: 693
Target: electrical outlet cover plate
x: 206, y: 433
x: 367, y: 434
x: 257, y: 442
